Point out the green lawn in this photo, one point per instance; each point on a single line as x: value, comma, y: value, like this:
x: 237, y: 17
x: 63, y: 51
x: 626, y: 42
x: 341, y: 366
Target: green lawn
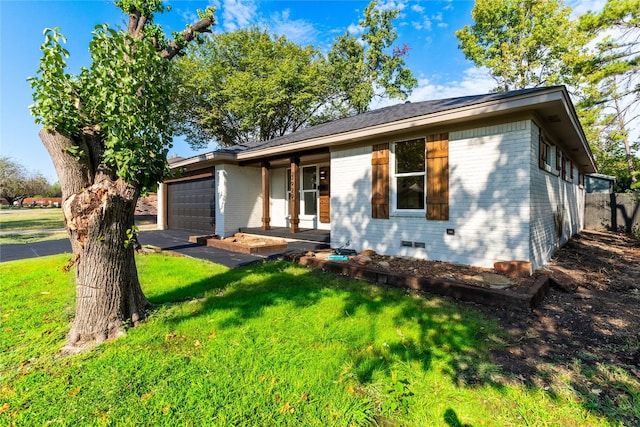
x: 32, y: 219
x: 274, y: 344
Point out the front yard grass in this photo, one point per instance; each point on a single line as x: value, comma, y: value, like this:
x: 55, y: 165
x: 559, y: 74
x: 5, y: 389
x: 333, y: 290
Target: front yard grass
x: 29, y: 225
x: 32, y: 219
x: 270, y: 344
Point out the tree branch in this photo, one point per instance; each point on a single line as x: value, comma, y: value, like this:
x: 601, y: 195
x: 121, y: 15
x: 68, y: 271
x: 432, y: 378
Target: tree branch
x: 134, y: 19
x: 138, y: 32
x: 174, y: 48
x: 74, y: 175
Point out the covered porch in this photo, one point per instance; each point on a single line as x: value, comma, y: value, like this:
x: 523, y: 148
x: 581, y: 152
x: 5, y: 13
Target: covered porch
x: 303, y: 234
x: 295, y: 195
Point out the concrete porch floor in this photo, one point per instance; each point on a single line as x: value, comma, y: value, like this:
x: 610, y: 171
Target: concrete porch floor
x: 305, y: 234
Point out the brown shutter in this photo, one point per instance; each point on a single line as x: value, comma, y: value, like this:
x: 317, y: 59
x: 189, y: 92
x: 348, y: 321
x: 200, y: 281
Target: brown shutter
x: 380, y: 181
x: 558, y: 158
x: 437, y: 199
x: 325, y: 197
x: 571, y: 169
x: 543, y: 153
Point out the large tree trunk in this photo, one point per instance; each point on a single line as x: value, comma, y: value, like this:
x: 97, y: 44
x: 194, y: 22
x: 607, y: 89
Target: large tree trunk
x: 99, y: 216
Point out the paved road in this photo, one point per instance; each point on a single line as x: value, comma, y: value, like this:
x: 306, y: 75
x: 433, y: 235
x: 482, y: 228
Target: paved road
x: 169, y: 240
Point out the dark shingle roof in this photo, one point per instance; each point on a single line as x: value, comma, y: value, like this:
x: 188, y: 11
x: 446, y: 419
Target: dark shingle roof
x: 378, y: 117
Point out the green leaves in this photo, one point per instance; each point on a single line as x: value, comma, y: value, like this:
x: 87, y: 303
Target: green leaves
x: 127, y: 100
x: 610, y: 89
x: 55, y: 93
x: 358, y: 66
x: 117, y: 110
x: 246, y: 86
x: 523, y: 43
x: 249, y: 86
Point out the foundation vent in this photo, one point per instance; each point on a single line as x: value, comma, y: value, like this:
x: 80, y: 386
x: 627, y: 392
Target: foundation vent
x: 407, y: 244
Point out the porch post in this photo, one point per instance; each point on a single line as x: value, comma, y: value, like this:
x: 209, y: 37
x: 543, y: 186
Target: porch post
x: 294, y: 203
x: 266, y: 217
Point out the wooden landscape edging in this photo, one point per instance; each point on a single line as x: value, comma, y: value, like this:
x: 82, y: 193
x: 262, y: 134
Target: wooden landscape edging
x: 522, y: 301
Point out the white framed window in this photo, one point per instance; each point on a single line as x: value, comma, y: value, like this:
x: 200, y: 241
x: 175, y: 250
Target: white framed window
x: 408, y: 176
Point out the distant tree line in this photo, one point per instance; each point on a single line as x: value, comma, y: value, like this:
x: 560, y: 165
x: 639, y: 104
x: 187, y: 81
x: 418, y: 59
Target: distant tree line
x: 17, y: 183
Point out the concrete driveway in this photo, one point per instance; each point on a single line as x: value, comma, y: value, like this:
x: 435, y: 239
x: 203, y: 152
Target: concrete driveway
x: 168, y: 240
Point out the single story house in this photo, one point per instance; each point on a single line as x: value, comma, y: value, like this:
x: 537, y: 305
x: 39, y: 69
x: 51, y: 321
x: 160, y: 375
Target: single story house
x: 470, y: 180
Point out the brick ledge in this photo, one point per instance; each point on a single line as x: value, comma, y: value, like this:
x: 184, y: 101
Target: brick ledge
x: 522, y: 301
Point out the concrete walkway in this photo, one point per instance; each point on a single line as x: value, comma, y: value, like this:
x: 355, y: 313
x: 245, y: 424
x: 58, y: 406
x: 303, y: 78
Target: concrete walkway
x: 28, y: 232
x: 168, y: 240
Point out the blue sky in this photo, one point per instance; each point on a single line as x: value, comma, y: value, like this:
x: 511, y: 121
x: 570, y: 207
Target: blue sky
x: 427, y: 26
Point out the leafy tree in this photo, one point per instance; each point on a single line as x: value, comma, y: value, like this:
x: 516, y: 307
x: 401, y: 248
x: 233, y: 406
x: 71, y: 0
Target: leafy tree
x: 16, y: 183
x: 107, y: 131
x: 13, y: 178
x: 523, y: 43
x: 249, y: 86
x: 609, y: 105
x: 55, y: 191
x: 37, y: 186
x: 360, y: 65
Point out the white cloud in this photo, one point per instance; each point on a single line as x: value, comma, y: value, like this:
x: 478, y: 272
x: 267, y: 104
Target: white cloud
x: 297, y: 30
x: 238, y: 14
x: 417, y: 8
x: 391, y: 4
x: 580, y: 7
x: 474, y: 81
x: 355, y: 29
x: 424, y: 25
x: 428, y: 22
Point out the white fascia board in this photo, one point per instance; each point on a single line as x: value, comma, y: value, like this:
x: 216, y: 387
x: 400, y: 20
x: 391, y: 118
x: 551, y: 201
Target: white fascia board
x: 457, y: 114
x: 213, y: 155
x: 575, y: 122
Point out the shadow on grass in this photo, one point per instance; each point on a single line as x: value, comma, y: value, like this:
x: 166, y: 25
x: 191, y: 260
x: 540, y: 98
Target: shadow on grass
x: 451, y: 337
x: 448, y: 333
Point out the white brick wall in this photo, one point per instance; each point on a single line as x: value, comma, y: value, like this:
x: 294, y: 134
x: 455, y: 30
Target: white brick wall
x: 239, y: 202
x: 489, y: 206
x: 551, y: 194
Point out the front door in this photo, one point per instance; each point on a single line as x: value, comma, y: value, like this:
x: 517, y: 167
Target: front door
x: 314, y: 195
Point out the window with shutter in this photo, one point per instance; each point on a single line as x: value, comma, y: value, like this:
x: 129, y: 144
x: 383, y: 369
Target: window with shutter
x: 416, y: 174
x: 380, y: 181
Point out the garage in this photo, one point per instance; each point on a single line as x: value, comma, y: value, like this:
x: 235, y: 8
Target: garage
x: 191, y: 204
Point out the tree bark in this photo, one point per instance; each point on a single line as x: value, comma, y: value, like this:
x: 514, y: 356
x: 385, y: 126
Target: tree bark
x: 99, y: 212
x: 99, y: 217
